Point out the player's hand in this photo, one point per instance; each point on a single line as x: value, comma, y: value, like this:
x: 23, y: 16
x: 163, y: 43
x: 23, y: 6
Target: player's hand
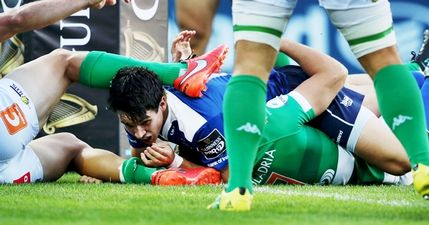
x: 181, y: 46
x: 159, y: 154
x: 89, y: 180
x: 99, y: 4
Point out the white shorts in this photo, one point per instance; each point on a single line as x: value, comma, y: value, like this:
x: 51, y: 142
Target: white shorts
x: 18, y: 122
x: 366, y: 24
x: 345, y: 166
x: 345, y: 4
x: 24, y: 167
x: 367, y: 28
x: 261, y: 21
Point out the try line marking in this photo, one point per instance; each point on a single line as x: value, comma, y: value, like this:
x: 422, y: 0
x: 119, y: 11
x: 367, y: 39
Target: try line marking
x: 343, y: 197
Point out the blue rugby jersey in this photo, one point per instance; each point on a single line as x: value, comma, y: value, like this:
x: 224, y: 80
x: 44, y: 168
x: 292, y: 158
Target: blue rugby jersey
x: 196, y: 124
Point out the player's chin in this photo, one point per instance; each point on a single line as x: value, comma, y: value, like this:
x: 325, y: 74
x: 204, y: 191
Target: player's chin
x: 148, y: 140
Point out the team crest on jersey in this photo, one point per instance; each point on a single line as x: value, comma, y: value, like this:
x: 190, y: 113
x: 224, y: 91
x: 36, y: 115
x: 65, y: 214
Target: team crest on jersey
x: 212, y: 145
x: 13, y: 118
x: 277, y: 102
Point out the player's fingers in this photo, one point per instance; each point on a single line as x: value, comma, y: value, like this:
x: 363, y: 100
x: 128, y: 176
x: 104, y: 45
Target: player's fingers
x: 156, y: 153
x: 145, y: 160
x: 111, y: 2
x: 89, y: 180
x: 99, y: 5
x: 160, y: 149
x: 178, y: 38
x: 154, y: 159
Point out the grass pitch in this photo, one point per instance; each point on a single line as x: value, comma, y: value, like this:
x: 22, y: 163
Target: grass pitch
x: 70, y: 202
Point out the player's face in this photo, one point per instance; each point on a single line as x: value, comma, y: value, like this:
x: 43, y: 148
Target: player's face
x: 147, y: 130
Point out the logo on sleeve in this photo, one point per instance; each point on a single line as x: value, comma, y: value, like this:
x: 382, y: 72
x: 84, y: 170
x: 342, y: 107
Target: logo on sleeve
x: 277, y: 102
x: 13, y: 118
x: 213, y: 145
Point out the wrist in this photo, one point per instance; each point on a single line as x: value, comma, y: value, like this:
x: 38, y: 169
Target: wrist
x: 177, y: 161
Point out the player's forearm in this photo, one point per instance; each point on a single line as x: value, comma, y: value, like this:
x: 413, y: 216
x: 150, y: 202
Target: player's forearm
x: 36, y: 15
x: 311, y: 60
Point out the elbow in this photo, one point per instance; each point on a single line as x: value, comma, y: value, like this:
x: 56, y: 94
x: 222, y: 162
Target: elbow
x: 338, y: 74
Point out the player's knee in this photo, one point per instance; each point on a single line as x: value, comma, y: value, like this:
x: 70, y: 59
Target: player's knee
x: 61, y: 54
x: 60, y: 57
x: 74, y: 144
x: 400, y: 166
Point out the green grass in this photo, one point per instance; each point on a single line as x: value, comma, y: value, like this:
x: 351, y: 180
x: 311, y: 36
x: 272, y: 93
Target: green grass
x: 69, y: 202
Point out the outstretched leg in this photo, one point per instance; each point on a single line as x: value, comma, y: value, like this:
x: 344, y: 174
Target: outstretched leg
x: 61, y: 152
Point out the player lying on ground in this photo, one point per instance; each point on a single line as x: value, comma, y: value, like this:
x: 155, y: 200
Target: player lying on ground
x: 187, y: 132
x: 143, y: 174
x: 24, y: 108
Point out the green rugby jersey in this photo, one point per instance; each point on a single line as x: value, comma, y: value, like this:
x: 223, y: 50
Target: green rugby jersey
x: 291, y: 152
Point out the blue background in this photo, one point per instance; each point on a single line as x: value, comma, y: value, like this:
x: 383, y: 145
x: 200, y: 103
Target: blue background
x: 310, y: 25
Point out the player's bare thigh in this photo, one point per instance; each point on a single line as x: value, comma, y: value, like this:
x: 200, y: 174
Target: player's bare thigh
x: 363, y: 84
x: 379, y: 146
x: 45, y: 79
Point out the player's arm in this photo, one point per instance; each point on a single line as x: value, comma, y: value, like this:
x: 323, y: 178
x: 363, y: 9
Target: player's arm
x: 327, y: 75
x: 38, y: 14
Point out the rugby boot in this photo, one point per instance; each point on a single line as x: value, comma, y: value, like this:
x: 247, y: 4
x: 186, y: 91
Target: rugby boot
x: 421, y: 180
x: 186, y: 176
x: 238, y: 199
x: 422, y: 57
x: 194, y: 80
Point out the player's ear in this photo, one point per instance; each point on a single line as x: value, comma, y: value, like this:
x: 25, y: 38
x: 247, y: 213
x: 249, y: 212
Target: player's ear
x: 163, y: 103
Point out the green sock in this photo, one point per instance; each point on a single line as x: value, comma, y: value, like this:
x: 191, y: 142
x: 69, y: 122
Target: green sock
x: 244, y: 118
x: 401, y: 105
x: 135, y: 172
x: 98, y: 69
x: 282, y: 60
x: 413, y: 66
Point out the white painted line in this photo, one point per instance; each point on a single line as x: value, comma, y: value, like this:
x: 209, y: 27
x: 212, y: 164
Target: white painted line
x: 343, y: 197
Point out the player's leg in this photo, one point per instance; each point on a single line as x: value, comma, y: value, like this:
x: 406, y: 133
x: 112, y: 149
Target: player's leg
x: 398, y: 95
x: 365, y: 173
x: 45, y: 80
x: 98, y: 69
x: 61, y: 152
x: 197, y: 15
x: 359, y: 131
x: 257, y: 31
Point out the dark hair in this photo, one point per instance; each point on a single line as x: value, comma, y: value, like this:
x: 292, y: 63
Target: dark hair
x: 134, y: 90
